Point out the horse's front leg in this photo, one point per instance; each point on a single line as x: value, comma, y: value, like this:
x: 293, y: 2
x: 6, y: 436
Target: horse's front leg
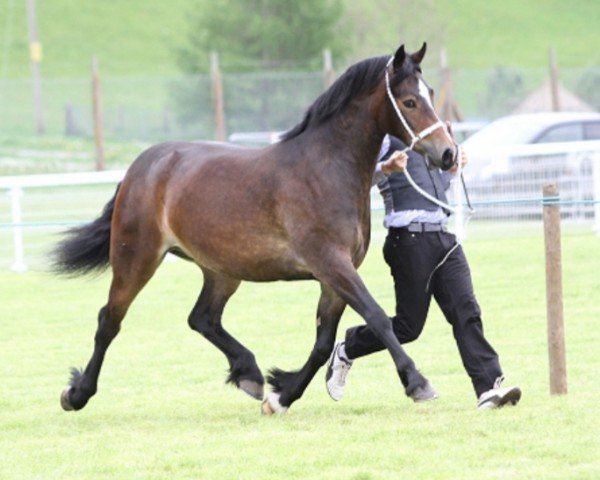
x: 341, y: 275
x: 289, y: 386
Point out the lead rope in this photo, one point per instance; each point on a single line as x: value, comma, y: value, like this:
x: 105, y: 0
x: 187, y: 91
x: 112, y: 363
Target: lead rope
x: 470, y: 213
x: 414, y: 139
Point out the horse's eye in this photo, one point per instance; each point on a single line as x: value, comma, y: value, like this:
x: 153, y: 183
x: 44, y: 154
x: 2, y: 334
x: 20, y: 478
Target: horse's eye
x: 409, y: 103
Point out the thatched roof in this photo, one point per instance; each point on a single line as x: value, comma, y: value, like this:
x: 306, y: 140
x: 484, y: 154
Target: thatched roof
x: 540, y: 100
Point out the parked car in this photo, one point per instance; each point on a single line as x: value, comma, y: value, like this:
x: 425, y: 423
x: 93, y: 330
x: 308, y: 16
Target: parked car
x: 488, y: 147
x: 513, y: 157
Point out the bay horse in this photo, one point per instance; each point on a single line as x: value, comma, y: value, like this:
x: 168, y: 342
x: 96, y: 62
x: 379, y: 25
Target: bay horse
x: 294, y: 210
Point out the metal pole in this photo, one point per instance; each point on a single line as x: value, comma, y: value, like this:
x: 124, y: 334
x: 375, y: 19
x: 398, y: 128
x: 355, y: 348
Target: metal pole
x: 554, y: 296
x: 35, y: 54
x: 18, y: 265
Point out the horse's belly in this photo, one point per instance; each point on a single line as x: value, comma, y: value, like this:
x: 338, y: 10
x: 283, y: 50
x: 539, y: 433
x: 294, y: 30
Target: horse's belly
x: 259, y: 269
x: 247, y: 257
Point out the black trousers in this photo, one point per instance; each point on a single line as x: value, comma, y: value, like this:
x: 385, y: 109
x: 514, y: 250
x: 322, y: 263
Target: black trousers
x: 412, y: 258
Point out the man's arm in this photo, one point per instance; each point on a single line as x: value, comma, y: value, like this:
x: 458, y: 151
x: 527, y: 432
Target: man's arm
x: 395, y: 164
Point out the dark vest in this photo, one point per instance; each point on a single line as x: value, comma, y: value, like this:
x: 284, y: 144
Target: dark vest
x: 399, y: 195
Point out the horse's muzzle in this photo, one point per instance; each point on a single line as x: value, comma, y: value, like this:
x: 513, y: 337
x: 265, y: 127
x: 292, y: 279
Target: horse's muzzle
x: 448, y: 159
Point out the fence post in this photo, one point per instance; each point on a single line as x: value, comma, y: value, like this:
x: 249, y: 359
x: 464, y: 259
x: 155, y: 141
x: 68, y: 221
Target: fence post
x: 446, y: 104
x: 554, y: 297
x: 35, y: 55
x: 18, y: 264
x: 554, y: 85
x: 218, y: 100
x: 596, y: 197
x: 97, y: 114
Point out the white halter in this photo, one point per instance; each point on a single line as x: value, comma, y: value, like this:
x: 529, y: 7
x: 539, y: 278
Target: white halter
x: 417, y: 138
x: 413, y: 138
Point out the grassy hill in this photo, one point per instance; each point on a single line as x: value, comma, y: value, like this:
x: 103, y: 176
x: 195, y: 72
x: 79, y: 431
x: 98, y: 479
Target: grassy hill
x: 139, y: 37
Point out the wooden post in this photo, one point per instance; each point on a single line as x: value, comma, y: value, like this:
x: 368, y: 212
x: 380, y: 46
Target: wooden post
x: 554, y: 85
x: 70, y: 128
x: 97, y: 115
x: 35, y: 55
x: 446, y: 104
x: 554, y: 297
x: 328, y: 71
x: 218, y: 100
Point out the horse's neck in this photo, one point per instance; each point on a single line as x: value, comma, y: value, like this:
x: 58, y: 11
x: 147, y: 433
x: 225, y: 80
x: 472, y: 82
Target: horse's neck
x: 356, y: 149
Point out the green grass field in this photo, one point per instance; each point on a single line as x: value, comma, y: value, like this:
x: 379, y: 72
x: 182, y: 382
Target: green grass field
x: 164, y: 412
x: 139, y: 38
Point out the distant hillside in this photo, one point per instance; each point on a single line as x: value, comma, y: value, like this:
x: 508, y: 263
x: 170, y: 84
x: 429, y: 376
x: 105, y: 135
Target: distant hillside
x: 139, y: 36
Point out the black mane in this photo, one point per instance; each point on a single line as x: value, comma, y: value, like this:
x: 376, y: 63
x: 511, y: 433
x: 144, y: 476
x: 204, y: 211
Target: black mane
x: 359, y: 78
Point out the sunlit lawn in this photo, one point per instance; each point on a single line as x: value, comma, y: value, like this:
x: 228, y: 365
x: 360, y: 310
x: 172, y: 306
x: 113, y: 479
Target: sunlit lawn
x: 163, y: 410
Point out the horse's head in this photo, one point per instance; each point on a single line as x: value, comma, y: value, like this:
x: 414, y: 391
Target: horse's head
x: 413, y: 117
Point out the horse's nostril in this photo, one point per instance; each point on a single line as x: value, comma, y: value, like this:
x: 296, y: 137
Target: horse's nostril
x: 447, y: 159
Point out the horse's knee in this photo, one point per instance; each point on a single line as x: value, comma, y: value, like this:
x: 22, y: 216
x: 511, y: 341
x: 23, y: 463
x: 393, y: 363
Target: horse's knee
x: 203, y: 324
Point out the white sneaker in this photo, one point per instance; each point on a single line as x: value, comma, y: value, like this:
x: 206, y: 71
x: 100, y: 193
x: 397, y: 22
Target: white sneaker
x: 498, y: 397
x: 337, y: 370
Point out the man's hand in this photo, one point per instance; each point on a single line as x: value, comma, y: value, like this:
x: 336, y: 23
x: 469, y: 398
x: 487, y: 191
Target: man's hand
x: 396, y: 163
x: 463, y: 155
x: 463, y: 161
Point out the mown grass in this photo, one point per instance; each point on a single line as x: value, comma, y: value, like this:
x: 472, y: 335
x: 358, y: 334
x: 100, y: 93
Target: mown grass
x: 163, y: 411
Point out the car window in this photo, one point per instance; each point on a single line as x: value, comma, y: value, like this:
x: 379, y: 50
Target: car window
x: 591, y: 130
x: 570, y: 132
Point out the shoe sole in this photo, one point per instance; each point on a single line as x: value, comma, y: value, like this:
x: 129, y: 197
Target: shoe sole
x: 511, y: 397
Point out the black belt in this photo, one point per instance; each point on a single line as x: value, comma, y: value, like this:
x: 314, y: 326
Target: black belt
x: 418, y: 227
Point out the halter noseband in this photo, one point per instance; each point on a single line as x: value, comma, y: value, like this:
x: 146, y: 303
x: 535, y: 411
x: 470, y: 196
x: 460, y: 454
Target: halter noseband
x: 417, y: 138
x: 414, y: 139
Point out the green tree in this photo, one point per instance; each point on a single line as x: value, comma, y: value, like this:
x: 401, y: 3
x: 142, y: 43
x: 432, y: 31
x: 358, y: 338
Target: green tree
x: 265, y: 36
x: 259, y: 34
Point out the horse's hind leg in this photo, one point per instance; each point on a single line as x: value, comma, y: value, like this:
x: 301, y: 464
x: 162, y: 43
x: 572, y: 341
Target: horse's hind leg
x: 206, y: 319
x: 289, y: 386
x: 132, y: 266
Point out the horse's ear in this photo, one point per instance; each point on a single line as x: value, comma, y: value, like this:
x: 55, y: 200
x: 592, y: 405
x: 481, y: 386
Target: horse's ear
x: 399, y: 57
x: 417, y: 57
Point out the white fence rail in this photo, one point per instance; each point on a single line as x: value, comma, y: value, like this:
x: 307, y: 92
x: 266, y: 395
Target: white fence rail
x: 36, y: 206
x: 16, y: 186
x: 505, y: 184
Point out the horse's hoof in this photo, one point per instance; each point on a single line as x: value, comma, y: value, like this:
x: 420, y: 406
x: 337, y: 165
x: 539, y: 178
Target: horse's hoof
x: 65, y: 403
x: 254, y: 389
x: 424, y: 393
x: 271, y: 405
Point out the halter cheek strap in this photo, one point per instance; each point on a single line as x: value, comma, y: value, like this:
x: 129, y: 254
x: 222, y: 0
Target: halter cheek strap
x: 414, y: 139
x: 417, y: 138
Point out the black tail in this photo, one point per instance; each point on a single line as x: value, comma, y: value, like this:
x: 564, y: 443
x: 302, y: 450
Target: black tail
x: 86, y: 248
